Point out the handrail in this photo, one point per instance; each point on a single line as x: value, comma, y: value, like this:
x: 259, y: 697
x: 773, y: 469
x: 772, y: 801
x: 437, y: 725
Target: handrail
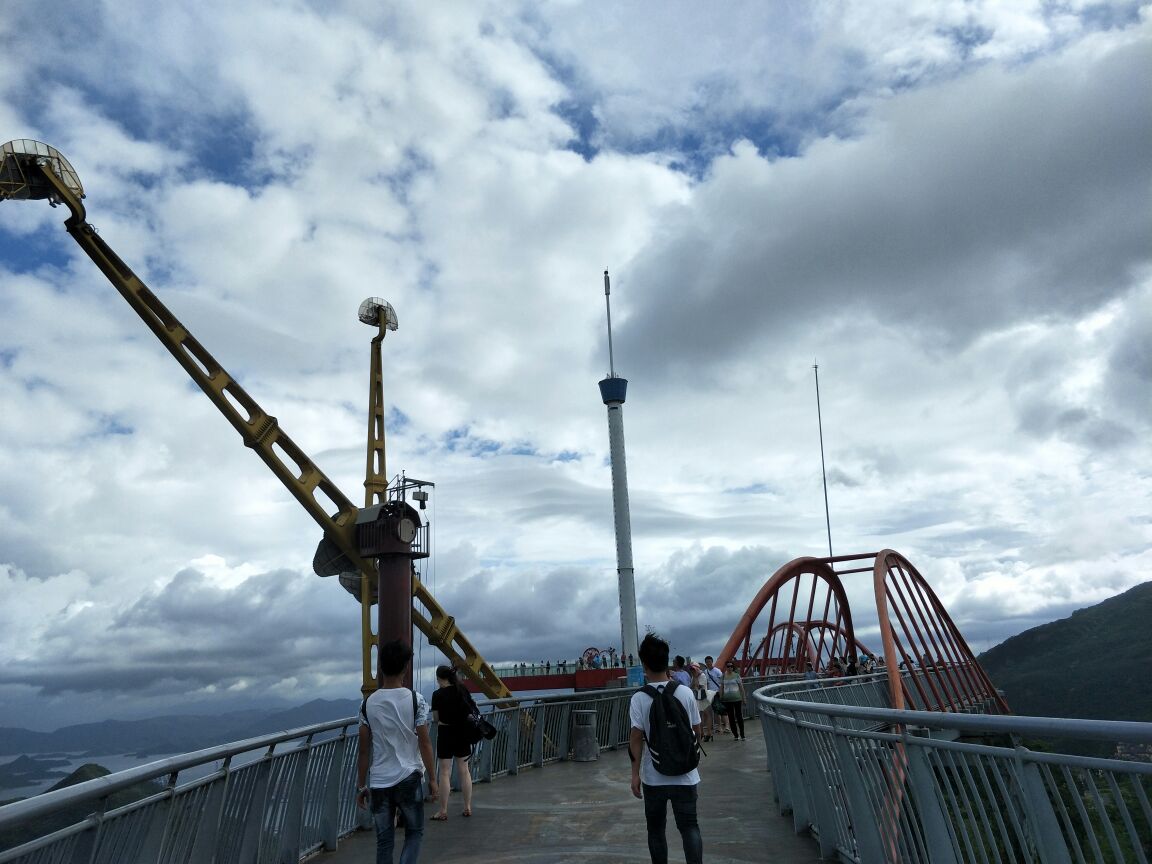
x: 295, y: 793
x: 880, y: 784
x: 100, y: 787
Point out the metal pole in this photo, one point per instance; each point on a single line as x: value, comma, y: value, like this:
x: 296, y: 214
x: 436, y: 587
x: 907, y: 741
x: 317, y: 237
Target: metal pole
x: 823, y: 472
x: 608, y: 307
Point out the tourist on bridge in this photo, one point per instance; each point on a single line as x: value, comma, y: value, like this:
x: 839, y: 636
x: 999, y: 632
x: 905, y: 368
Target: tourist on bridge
x: 394, y: 756
x: 679, y: 671
x: 703, y: 694
x: 717, y: 713
x: 451, y: 705
x: 648, y: 782
x: 732, y: 695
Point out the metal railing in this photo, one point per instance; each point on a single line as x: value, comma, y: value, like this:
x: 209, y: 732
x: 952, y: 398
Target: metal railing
x: 275, y: 798
x: 873, y: 784
x: 279, y: 798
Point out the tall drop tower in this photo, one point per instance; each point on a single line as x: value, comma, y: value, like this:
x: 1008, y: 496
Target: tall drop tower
x: 613, y: 390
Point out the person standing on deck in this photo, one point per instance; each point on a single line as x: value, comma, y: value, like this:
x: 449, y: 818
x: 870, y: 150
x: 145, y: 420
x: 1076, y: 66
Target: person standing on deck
x: 714, y: 675
x: 732, y: 695
x: 395, y: 753
x: 656, y: 789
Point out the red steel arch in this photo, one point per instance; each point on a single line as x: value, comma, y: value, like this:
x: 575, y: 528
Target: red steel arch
x: 790, y: 646
x: 809, y: 620
x: 799, y: 594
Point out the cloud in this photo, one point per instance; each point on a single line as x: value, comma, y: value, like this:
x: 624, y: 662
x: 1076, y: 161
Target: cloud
x: 943, y: 205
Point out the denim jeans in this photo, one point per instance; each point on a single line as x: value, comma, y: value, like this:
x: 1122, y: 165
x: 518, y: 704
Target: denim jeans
x: 407, y: 796
x: 683, y: 800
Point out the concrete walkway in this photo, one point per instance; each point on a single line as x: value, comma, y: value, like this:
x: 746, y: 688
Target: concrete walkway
x: 584, y: 812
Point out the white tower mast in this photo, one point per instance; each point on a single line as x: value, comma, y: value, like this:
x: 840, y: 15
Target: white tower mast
x: 613, y: 390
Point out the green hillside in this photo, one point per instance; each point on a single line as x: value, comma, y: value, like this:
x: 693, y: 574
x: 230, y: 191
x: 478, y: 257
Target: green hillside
x: 1093, y: 664
x: 17, y: 835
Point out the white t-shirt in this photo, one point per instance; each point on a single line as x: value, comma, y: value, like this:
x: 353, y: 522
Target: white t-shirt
x: 395, y: 748
x: 714, y: 675
x: 638, y: 714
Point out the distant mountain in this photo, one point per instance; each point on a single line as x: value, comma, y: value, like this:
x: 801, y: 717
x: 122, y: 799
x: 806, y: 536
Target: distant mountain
x: 172, y: 734
x: 1093, y: 664
x: 23, y: 832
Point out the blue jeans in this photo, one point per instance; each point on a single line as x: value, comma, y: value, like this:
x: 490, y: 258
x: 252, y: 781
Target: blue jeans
x: 683, y: 800
x: 407, y: 796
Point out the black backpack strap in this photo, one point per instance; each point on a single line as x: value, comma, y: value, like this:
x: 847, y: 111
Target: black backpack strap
x: 413, y: 710
x: 364, y: 709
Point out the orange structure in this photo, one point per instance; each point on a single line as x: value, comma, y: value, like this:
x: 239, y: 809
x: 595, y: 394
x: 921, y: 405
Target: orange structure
x: 810, y: 620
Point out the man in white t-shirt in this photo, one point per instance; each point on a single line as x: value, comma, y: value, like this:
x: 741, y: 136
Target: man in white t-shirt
x: 714, y: 677
x: 394, y: 756
x: 658, y: 790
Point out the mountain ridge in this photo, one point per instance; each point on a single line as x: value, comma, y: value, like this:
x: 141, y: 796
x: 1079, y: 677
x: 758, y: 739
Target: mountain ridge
x: 1091, y: 665
x: 172, y: 733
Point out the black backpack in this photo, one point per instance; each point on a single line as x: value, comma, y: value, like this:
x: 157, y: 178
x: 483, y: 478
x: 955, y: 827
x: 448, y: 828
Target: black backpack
x: 670, y: 739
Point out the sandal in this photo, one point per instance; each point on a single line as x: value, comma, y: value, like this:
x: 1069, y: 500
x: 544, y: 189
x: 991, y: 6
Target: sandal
x: 439, y: 817
x: 466, y: 813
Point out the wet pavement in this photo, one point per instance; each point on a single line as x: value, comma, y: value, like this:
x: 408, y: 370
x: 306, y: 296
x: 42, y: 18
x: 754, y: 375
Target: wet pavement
x: 584, y: 812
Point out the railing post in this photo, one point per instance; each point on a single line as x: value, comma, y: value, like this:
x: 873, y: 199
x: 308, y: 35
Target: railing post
x: 864, y: 820
x: 330, y: 808
x: 516, y: 720
x: 252, y: 815
x: 294, y: 808
x: 564, y: 738
x: 938, y: 834
x: 820, y: 809
x: 1045, y: 826
x: 538, y: 737
x: 208, y: 829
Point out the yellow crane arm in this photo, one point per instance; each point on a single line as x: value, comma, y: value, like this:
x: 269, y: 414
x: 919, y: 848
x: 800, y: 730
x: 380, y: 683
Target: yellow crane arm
x: 260, y: 431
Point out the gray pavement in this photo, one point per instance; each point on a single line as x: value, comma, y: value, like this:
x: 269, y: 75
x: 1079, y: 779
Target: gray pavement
x: 584, y: 812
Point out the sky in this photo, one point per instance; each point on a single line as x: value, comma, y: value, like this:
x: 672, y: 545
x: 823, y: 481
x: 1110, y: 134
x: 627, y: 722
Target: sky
x: 947, y: 206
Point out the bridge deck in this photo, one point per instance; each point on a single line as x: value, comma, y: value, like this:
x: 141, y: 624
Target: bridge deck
x: 583, y: 812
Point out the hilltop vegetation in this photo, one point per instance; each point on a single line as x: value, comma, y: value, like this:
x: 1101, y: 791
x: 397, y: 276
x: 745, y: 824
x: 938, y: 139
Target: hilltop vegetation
x: 1093, y: 664
x: 23, y: 833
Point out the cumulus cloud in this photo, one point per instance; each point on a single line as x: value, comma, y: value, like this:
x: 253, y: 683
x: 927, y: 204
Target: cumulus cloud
x: 944, y: 205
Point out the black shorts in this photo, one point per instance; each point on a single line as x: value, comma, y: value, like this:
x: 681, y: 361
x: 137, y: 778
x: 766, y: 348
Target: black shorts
x: 450, y: 743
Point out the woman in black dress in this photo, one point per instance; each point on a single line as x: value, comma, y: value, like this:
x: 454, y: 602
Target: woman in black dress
x: 451, y: 704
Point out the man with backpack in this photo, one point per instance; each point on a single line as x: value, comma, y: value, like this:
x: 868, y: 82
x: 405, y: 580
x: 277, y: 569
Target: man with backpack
x: 665, y: 750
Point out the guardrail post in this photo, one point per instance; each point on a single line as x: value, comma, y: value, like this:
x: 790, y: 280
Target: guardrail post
x: 254, y: 821
x: 817, y: 796
x: 564, y: 736
x: 330, y: 808
x: 538, y: 738
x: 938, y: 834
x: 516, y: 719
x: 864, y: 821
x: 208, y: 828
x: 294, y: 808
x: 1046, y: 827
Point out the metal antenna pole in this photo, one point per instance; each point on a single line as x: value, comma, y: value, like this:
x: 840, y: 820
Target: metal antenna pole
x: 823, y: 472
x: 608, y: 307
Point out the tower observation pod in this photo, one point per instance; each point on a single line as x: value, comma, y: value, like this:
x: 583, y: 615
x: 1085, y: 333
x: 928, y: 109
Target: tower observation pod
x: 613, y: 391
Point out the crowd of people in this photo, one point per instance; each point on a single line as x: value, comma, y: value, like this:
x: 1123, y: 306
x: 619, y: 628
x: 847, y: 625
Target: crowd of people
x: 396, y: 755
x: 609, y: 658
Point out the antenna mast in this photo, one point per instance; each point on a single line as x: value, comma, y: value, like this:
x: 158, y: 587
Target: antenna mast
x: 823, y: 473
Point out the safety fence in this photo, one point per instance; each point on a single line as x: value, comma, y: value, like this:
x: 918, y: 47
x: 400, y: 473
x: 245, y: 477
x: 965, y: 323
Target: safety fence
x: 275, y: 799
x: 873, y: 784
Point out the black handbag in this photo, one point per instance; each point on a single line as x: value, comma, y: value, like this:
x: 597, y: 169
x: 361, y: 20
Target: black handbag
x: 476, y: 727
